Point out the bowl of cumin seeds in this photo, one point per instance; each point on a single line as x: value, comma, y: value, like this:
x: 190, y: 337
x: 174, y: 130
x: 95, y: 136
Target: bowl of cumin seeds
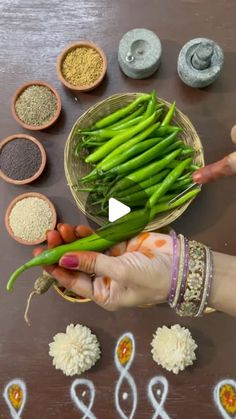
x: 36, y: 105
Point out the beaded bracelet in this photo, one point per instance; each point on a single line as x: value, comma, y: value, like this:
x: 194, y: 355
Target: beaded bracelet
x: 191, y: 277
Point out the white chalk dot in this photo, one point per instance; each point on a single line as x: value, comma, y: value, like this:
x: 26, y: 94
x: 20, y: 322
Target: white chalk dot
x: 84, y: 394
x: 125, y: 396
x: 158, y: 392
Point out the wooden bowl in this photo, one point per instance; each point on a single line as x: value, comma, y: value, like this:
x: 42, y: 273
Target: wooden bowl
x: 20, y: 91
x: 39, y: 171
x: 75, y: 167
x: 62, y: 57
x: 13, y: 203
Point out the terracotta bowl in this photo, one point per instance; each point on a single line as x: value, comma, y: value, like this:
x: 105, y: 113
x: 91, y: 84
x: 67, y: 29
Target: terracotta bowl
x: 13, y: 203
x: 20, y: 91
x: 62, y: 57
x: 40, y: 170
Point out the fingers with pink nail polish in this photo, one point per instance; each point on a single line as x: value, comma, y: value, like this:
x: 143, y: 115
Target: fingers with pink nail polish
x: 69, y: 262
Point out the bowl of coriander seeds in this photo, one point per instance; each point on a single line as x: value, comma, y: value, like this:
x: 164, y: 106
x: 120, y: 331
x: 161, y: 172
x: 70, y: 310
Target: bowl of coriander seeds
x: 81, y: 66
x: 36, y: 105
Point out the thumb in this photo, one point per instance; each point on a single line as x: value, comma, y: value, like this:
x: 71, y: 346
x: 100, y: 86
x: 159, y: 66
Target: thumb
x: 92, y: 263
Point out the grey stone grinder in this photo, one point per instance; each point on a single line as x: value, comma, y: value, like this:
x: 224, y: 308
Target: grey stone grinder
x: 139, y: 53
x: 200, y: 62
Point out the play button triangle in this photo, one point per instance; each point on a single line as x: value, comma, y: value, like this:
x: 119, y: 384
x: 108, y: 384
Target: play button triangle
x: 116, y: 209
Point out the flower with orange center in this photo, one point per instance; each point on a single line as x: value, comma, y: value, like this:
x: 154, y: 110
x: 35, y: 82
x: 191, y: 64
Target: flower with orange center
x: 15, y: 394
x: 124, y: 350
x: 228, y: 398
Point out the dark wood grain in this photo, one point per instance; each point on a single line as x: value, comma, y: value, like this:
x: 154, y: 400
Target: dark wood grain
x: 32, y: 33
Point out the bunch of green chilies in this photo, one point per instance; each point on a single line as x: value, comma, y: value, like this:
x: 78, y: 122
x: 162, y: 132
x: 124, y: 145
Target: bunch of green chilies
x: 133, y: 151
x: 137, y: 158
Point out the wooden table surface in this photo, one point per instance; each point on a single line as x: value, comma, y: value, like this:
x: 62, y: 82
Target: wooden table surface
x: 32, y: 33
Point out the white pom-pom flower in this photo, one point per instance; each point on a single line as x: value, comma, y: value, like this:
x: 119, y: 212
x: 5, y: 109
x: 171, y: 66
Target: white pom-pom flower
x: 75, y: 351
x: 173, y: 348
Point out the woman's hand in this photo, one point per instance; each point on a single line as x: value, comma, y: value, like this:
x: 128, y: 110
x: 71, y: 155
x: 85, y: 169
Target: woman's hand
x: 129, y: 274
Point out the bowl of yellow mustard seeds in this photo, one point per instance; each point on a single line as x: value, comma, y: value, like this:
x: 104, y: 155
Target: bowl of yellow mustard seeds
x: 36, y: 105
x: 81, y: 66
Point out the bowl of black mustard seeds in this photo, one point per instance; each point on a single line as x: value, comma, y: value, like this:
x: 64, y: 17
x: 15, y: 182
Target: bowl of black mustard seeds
x: 22, y: 159
x: 36, y: 105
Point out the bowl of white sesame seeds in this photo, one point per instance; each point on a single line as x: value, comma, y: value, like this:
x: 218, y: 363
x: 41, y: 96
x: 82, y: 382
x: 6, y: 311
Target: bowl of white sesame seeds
x: 28, y: 218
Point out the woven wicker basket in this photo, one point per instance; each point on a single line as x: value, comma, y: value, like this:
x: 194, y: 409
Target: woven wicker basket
x: 69, y: 295
x: 75, y: 167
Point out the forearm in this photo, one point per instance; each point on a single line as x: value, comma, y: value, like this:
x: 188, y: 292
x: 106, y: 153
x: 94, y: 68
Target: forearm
x: 223, y: 292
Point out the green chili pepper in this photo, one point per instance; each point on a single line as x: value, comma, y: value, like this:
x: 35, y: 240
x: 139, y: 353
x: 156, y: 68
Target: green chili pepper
x: 169, y: 181
x: 166, y: 121
x: 93, y: 144
x: 139, y: 196
x: 115, y: 126
x: 110, y: 161
x: 144, y: 173
x: 128, y: 118
x: 115, y: 116
x: 144, y: 158
x: 188, y: 151
x: 179, y: 184
x: 162, y: 131
x: 163, y: 207
x: 127, y: 124
x: 119, y: 139
x: 152, y: 180
x: 142, y: 203
x: 136, y: 147
x: 151, y: 104
x: 135, y: 196
x: 175, y: 163
x: 109, y: 132
x: 185, y: 176
x: 112, y: 233
x: 130, y: 143
x: 174, y: 146
x: 131, y: 152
